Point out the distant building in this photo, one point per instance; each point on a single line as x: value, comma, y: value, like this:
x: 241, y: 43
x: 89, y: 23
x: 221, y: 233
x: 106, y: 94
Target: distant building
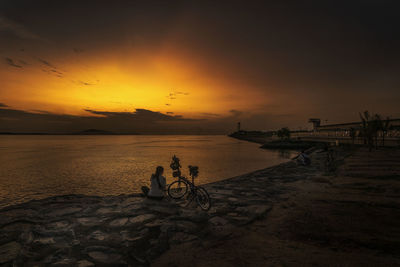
x: 316, y: 123
x: 345, y: 129
x: 238, y: 126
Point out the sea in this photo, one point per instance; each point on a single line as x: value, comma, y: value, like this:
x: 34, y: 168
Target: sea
x: 40, y: 166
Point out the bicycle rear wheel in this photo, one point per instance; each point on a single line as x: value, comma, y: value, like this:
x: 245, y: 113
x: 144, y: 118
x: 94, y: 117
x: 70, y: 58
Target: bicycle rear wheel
x: 203, y: 199
x: 177, y: 189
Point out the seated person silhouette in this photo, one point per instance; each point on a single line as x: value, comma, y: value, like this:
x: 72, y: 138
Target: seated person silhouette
x: 304, y: 159
x: 157, y: 185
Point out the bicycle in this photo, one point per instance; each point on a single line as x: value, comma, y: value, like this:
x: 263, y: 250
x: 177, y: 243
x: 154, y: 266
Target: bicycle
x: 183, y: 187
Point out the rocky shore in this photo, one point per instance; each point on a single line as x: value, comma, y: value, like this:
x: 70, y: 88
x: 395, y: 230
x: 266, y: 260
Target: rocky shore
x: 267, y: 142
x: 129, y: 230
x: 270, y: 214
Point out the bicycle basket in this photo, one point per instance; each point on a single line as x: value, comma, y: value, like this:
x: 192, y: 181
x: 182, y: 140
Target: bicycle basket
x: 176, y: 173
x: 194, y: 171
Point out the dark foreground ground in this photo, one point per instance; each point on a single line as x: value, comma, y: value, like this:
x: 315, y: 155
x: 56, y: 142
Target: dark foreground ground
x: 286, y: 215
x: 351, y: 218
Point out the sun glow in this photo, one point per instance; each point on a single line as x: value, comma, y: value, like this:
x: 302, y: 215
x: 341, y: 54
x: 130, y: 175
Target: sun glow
x: 119, y: 84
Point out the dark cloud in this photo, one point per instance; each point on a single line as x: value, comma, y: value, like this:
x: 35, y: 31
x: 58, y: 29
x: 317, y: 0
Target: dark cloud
x: 23, y: 62
x: 140, y: 114
x: 85, y: 83
x: 11, y: 62
x: 3, y: 105
x: 140, y: 121
x: 48, y: 64
x: 210, y: 114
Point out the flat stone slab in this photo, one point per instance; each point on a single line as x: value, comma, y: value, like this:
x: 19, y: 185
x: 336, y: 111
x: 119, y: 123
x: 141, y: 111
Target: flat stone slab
x: 89, y: 221
x: 63, y: 212
x: 142, y: 218
x: 119, y: 222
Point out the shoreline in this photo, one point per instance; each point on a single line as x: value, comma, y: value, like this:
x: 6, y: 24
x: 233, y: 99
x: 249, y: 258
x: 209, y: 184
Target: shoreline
x: 91, y: 225
x: 128, y: 230
x: 267, y: 142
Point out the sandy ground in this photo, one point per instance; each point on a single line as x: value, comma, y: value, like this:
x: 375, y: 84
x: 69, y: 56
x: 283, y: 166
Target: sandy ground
x: 349, y: 218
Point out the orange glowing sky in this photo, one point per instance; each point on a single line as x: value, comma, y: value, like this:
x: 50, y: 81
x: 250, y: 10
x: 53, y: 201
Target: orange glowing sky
x: 268, y: 66
x: 160, y: 81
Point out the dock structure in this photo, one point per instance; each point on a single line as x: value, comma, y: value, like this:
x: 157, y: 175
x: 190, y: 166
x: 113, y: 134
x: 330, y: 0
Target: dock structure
x: 342, y: 132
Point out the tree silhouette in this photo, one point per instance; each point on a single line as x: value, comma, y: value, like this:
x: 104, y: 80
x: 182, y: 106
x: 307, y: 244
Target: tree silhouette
x: 283, y: 133
x: 371, y: 125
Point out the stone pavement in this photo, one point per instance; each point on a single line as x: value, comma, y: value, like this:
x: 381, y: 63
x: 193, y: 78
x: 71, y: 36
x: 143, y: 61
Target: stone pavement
x: 129, y: 230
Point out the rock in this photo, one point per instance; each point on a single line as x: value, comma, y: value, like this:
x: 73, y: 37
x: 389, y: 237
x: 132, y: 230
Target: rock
x: 194, y: 216
x: 89, y: 221
x: 9, y: 251
x: 132, y: 207
x: 27, y: 237
x: 98, y: 235
x: 222, y: 231
x: 142, y: 218
x: 107, y: 210
x: 181, y: 237
x: 105, y: 257
x: 130, y: 201
x: 62, y: 212
x: 218, y: 221
x: 57, y: 225
x: 132, y: 237
x: 155, y: 223
x: 119, y: 222
x: 255, y: 210
x: 44, y: 241
x: 85, y: 263
x: 64, y: 262
x: 171, y: 210
x: 186, y: 226
x: 259, y: 210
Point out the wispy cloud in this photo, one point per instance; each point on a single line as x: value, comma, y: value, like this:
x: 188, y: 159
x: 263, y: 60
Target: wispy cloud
x: 85, y: 83
x: 210, y: 114
x: 50, y: 68
x: 17, y: 29
x: 45, y: 62
x: 12, y: 63
x: 173, y: 95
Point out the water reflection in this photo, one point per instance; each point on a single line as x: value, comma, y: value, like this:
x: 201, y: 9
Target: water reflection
x: 33, y: 167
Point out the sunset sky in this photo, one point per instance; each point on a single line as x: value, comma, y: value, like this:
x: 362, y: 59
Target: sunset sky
x: 195, y: 66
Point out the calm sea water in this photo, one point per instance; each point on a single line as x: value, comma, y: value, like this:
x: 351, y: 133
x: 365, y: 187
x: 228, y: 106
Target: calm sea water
x: 34, y: 167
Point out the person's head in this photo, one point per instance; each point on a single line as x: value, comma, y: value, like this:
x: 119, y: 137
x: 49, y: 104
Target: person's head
x: 159, y: 171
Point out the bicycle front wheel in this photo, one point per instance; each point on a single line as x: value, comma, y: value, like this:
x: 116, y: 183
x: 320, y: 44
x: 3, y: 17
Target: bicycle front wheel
x: 177, y: 189
x: 203, y: 199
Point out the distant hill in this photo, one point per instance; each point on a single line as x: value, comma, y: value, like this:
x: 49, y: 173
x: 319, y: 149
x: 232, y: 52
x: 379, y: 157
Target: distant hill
x: 94, y: 132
